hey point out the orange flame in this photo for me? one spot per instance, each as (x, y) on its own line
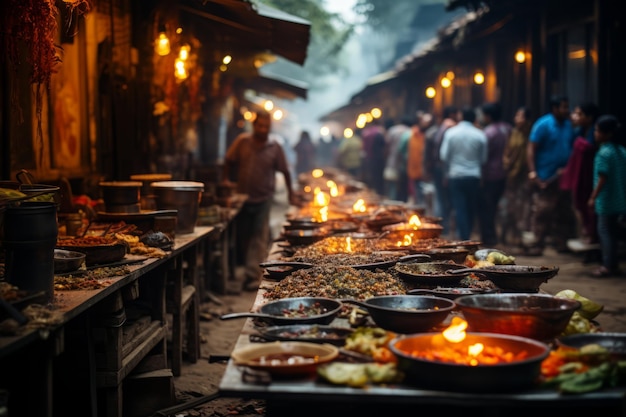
(359, 206)
(321, 199)
(348, 244)
(415, 221)
(455, 333)
(406, 241)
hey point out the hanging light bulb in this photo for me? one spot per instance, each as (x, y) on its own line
(180, 69)
(430, 92)
(162, 44)
(184, 52)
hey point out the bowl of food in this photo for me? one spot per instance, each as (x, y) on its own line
(536, 316)
(67, 261)
(430, 274)
(285, 359)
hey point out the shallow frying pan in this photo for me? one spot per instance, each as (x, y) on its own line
(522, 278)
(313, 333)
(285, 311)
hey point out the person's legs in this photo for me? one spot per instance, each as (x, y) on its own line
(607, 232)
(259, 239)
(462, 207)
(491, 192)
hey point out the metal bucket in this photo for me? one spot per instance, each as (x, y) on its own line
(183, 196)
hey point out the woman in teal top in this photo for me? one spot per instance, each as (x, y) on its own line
(608, 197)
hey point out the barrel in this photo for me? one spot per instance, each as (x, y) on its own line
(30, 234)
(183, 196)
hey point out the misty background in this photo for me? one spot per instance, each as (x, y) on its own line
(370, 50)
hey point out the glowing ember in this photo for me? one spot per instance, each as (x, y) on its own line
(321, 199)
(348, 244)
(334, 191)
(455, 333)
(317, 173)
(359, 206)
(324, 213)
(406, 241)
(450, 349)
(415, 221)
(307, 188)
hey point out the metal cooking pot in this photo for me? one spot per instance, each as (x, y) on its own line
(537, 316)
(406, 313)
(521, 278)
(120, 193)
(274, 311)
(451, 293)
(432, 274)
(505, 376)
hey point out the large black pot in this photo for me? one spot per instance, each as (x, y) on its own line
(275, 311)
(406, 313)
(29, 235)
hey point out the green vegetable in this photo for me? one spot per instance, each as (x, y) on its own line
(577, 324)
(499, 258)
(592, 380)
(589, 309)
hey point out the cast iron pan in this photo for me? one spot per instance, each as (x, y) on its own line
(615, 343)
(313, 333)
(521, 278)
(406, 313)
(278, 312)
(432, 274)
(451, 293)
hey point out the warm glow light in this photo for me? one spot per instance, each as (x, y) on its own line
(431, 92)
(450, 75)
(317, 173)
(307, 188)
(406, 241)
(184, 52)
(223, 68)
(479, 78)
(324, 131)
(247, 115)
(445, 82)
(369, 117)
(578, 54)
(324, 213)
(321, 199)
(414, 221)
(455, 332)
(332, 187)
(361, 120)
(227, 59)
(180, 70)
(348, 244)
(475, 349)
(268, 105)
(376, 112)
(520, 57)
(278, 114)
(162, 45)
(359, 206)
(348, 133)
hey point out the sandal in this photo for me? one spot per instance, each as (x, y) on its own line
(601, 272)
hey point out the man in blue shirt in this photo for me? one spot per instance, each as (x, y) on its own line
(549, 148)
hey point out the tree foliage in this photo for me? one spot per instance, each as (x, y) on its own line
(329, 34)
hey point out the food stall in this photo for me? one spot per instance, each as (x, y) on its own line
(362, 311)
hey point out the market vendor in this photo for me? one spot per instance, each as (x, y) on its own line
(257, 158)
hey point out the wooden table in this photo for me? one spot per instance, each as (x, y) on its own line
(311, 397)
(79, 365)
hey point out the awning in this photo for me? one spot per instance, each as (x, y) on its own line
(279, 86)
(253, 27)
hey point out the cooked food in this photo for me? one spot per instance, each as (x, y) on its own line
(336, 282)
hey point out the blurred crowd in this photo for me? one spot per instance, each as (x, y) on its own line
(556, 179)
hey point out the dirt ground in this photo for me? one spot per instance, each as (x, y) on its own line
(201, 380)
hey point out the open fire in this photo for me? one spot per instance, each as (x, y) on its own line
(449, 347)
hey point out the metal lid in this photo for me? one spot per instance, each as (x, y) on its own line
(179, 185)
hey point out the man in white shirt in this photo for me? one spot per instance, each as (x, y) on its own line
(464, 150)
